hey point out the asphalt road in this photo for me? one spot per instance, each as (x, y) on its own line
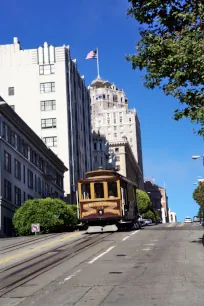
(158, 266)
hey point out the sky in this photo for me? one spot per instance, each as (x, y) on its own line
(84, 25)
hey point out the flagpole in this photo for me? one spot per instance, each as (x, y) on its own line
(98, 65)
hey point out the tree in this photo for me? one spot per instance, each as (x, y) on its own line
(200, 212)
(171, 51)
(149, 215)
(52, 215)
(144, 203)
(198, 194)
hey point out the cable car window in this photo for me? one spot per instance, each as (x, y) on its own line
(98, 189)
(112, 190)
(85, 189)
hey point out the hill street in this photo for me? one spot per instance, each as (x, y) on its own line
(158, 265)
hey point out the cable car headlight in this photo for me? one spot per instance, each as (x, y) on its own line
(100, 212)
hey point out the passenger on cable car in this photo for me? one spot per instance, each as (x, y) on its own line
(110, 194)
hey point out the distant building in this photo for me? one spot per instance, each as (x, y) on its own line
(46, 90)
(111, 118)
(28, 168)
(172, 216)
(125, 162)
(159, 199)
(100, 152)
(164, 205)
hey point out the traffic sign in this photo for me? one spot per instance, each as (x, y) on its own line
(35, 228)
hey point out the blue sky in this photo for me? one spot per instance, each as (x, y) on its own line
(84, 25)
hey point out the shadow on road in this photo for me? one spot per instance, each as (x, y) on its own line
(200, 241)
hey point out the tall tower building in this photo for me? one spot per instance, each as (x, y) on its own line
(112, 118)
(45, 88)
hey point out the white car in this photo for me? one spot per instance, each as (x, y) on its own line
(187, 220)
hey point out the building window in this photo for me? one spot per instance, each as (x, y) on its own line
(30, 197)
(108, 97)
(100, 146)
(130, 119)
(115, 98)
(7, 190)
(95, 146)
(48, 105)
(59, 181)
(50, 141)
(17, 196)
(39, 186)
(36, 183)
(24, 196)
(117, 168)
(101, 161)
(95, 159)
(117, 158)
(47, 87)
(17, 169)
(48, 123)
(24, 174)
(7, 161)
(115, 128)
(115, 134)
(11, 91)
(116, 149)
(30, 179)
(46, 69)
(13, 107)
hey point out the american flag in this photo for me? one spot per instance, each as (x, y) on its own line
(92, 54)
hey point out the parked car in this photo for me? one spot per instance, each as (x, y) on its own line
(187, 220)
(158, 221)
(196, 219)
(145, 221)
(148, 221)
(141, 222)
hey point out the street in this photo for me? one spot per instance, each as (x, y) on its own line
(157, 265)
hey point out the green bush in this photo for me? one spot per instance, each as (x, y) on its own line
(53, 215)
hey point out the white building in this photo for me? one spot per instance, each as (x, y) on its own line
(125, 162)
(46, 90)
(28, 169)
(172, 216)
(112, 118)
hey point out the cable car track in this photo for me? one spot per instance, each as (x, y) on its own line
(19, 274)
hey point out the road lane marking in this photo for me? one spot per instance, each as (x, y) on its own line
(148, 249)
(100, 255)
(4, 260)
(171, 224)
(182, 224)
(69, 277)
(136, 232)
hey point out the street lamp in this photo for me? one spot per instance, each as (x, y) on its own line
(198, 156)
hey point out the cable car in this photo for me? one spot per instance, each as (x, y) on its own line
(107, 201)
